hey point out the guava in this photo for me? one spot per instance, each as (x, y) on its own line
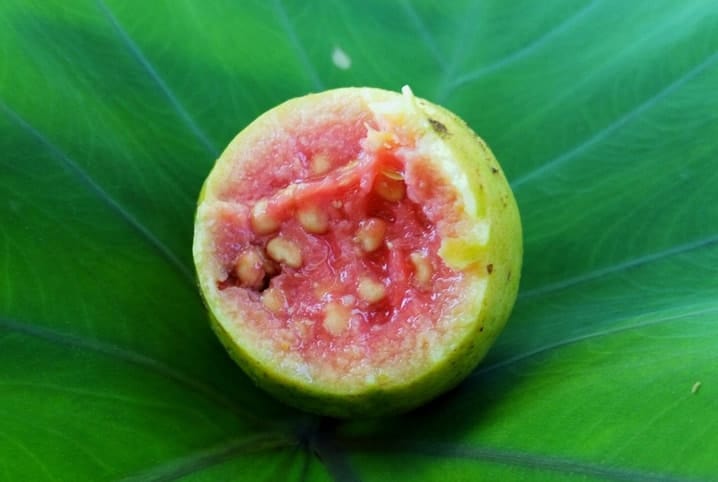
(359, 250)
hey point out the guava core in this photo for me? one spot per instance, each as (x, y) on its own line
(359, 250)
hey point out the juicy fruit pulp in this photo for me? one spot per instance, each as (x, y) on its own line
(349, 244)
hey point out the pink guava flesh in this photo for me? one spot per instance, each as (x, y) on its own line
(328, 235)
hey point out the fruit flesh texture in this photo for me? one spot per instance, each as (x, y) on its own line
(347, 271)
(356, 281)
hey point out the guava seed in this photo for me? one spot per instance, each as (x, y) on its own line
(392, 190)
(249, 270)
(284, 251)
(313, 219)
(422, 268)
(370, 234)
(262, 222)
(320, 164)
(370, 290)
(336, 318)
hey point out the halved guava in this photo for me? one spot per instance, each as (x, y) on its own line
(359, 250)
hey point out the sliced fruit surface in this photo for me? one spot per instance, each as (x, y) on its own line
(359, 250)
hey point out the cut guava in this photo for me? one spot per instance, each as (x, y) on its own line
(359, 250)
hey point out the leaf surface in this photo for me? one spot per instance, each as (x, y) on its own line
(604, 114)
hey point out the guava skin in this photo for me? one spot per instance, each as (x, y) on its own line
(503, 252)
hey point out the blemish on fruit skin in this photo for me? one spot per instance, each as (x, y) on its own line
(489, 268)
(494, 170)
(439, 128)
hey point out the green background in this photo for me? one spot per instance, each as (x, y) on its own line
(604, 115)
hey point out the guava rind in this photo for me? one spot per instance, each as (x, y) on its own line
(503, 252)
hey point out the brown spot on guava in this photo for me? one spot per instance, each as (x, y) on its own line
(438, 127)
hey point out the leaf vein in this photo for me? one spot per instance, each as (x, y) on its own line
(624, 265)
(331, 454)
(157, 78)
(205, 458)
(538, 462)
(299, 49)
(306, 460)
(149, 404)
(577, 339)
(30, 454)
(534, 45)
(602, 134)
(62, 435)
(75, 168)
(128, 356)
(420, 27)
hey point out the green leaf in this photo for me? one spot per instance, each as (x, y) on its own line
(603, 114)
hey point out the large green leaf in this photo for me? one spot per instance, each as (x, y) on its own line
(603, 113)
